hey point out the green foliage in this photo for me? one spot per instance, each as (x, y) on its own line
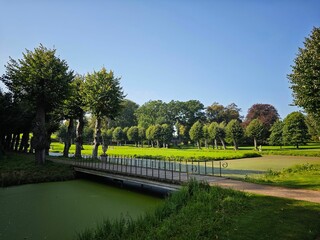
(103, 94)
(152, 113)
(117, 134)
(305, 76)
(40, 77)
(133, 134)
(126, 117)
(275, 138)
(196, 132)
(299, 176)
(234, 131)
(199, 211)
(166, 133)
(295, 130)
(218, 113)
(17, 169)
(255, 130)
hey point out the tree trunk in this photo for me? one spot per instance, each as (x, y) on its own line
(79, 140)
(16, 147)
(97, 137)
(67, 143)
(223, 143)
(215, 143)
(39, 136)
(8, 141)
(206, 143)
(24, 142)
(235, 144)
(12, 143)
(255, 143)
(198, 143)
(48, 143)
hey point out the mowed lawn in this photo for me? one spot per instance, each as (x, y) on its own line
(164, 153)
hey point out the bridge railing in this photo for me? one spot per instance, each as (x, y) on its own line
(174, 170)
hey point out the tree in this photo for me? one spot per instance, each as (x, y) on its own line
(305, 76)
(234, 132)
(149, 134)
(265, 113)
(218, 113)
(125, 135)
(117, 135)
(196, 133)
(295, 129)
(152, 113)
(313, 127)
(103, 97)
(255, 130)
(206, 136)
(42, 79)
(276, 130)
(126, 117)
(142, 134)
(217, 132)
(157, 133)
(166, 134)
(133, 134)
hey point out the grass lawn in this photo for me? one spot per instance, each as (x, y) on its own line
(305, 176)
(164, 153)
(202, 212)
(16, 169)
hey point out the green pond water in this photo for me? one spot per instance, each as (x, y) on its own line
(60, 210)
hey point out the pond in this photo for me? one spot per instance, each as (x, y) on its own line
(60, 210)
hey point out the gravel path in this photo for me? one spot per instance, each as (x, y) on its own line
(297, 194)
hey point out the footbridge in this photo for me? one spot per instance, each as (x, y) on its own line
(163, 174)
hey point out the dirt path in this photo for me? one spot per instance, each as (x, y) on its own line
(297, 194)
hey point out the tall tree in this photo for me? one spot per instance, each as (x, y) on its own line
(305, 76)
(133, 134)
(295, 129)
(117, 135)
(103, 96)
(217, 132)
(234, 132)
(41, 78)
(152, 113)
(126, 117)
(255, 130)
(218, 113)
(196, 133)
(276, 130)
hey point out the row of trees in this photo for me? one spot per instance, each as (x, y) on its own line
(43, 91)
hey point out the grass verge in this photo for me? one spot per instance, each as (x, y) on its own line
(164, 153)
(202, 212)
(306, 176)
(16, 169)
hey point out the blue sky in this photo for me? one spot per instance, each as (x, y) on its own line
(212, 51)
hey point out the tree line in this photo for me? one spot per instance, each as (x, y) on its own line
(43, 91)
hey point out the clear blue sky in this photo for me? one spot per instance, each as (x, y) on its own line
(213, 51)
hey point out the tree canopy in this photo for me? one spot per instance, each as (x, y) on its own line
(42, 79)
(305, 75)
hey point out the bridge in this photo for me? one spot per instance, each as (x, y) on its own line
(166, 175)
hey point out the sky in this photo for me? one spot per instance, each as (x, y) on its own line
(212, 51)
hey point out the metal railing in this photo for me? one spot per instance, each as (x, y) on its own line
(167, 170)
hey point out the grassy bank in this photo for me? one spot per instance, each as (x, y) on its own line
(202, 212)
(16, 169)
(305, 176)
(164, 153)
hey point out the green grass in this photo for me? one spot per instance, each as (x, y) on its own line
(202, 212)
(164, 153)
(305, 176)
(309, 150)
(16, 169)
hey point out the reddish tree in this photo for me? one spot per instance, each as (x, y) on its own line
(266, 113)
